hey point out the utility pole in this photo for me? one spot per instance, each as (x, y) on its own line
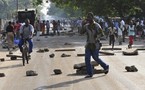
(17, 5)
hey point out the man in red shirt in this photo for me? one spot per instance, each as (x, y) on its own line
(16, 29)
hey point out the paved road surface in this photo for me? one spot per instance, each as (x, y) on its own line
(116, 79)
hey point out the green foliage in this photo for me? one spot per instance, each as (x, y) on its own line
(104, 7)
(37, 2)
(8, 8)
(64, 11)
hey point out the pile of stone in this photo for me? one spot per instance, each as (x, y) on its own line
(81, 68)
(43, 50)
(57, 71)
(132, 51)
(2, 59)
(131, 68)
(31, 73)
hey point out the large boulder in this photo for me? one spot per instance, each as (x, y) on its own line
(2, 75)
(82, 65)
(31, 73)
(131, 68)
(2, 59)
(106, 52)
(131, 51)
(57, 71)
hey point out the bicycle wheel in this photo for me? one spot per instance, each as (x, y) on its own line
(23, 57)
(26, 55)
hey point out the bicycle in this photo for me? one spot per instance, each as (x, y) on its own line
(25, 52)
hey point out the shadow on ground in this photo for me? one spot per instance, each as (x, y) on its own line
(67, 83)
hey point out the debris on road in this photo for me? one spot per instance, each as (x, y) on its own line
(132, 51)
(13, 57)
(131, 68)
(81, 68)
(40, 51)
(111, 49)
(81, 65)
(43, 50)
(31, 73)
(67, 44)
(57, 71)
(2, 59)
(65, 55)
(52, 55)
(106, 53)
(65, 50)
(2, 75)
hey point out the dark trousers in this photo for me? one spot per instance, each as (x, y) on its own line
(21, 42)
(95, 55)
(111, 40)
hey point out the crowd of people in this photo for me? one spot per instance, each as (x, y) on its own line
(117, 29)
(15, 31)
(12, 31)
(44, 26)
(112, 29)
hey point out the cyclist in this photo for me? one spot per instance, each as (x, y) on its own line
(26, 32)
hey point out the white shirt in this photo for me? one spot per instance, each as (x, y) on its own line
(119, 31)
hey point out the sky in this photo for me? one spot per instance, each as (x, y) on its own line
(44, 10)
(45, 6)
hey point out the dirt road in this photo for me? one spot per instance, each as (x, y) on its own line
(116, 79)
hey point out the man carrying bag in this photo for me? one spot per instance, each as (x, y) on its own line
(93, 31)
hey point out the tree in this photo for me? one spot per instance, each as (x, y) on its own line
(63, 11)
(37, 2)
(9, 7)
(104, 7)
(141, 4)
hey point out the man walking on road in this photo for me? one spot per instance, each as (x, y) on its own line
(10, 36)
(93, 31)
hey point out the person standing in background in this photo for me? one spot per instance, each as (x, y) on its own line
(47, 27)
(43, 27)
(119, 31)
(37, 29)
(112, 30)
(54, 28)
(10, 36)
(131, 33)
(16, 29)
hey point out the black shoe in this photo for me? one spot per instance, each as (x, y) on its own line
(88, 76)
(106, 70)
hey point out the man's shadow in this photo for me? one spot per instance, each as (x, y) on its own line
(67, 83)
